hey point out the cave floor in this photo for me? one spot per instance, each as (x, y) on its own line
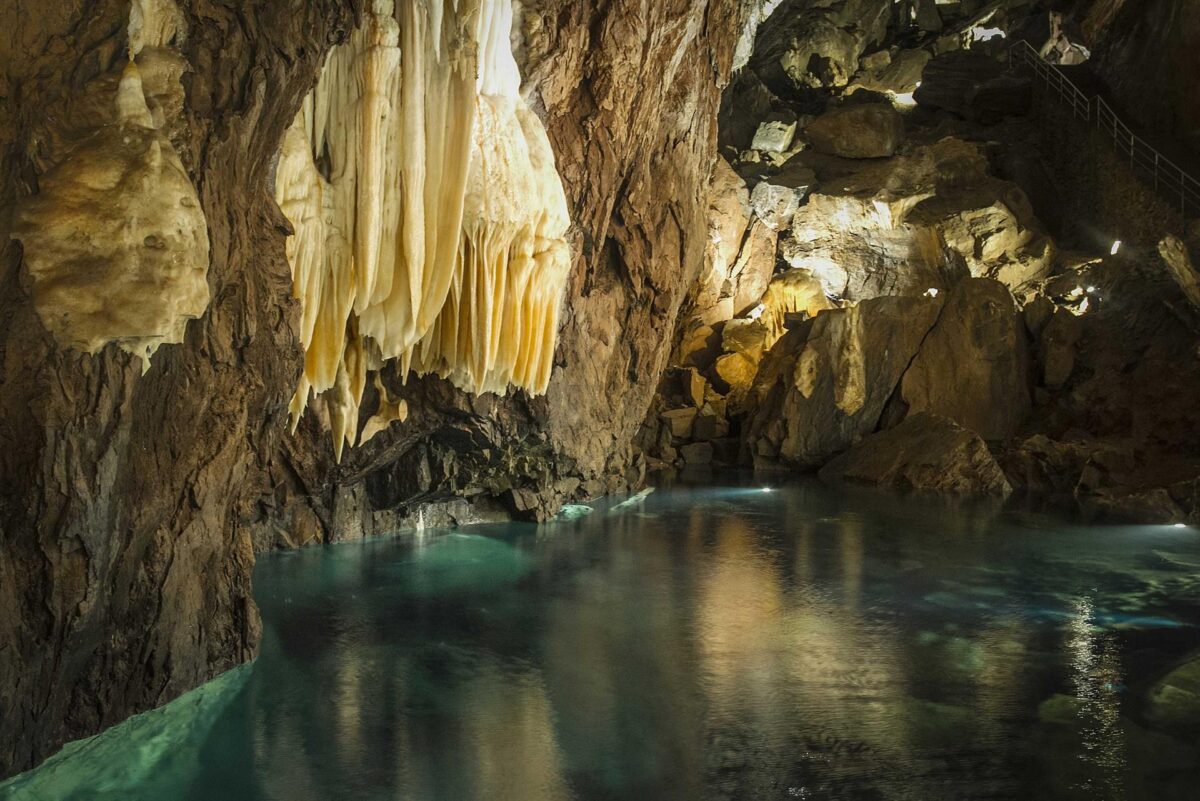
(706, 641)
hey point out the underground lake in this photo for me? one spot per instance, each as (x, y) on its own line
(738, 641)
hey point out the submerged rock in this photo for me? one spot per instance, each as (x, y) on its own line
(925, 453)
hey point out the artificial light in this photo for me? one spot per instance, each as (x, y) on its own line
(1116, 247)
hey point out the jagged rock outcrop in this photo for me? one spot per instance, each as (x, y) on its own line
(974, 366)
(807, 44)
(857, 131)
(824, 386)
(130, 505)
(925, 453)
(923, 219)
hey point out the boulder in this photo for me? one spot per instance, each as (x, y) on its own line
(680, 421)
(774, 204)
(1058, 342)
(928, 18)
(1178, 258)
(857, 131)
(825, 385)
(709, 425)
(808, 45)
(775, 136)
(699, 346)
(899, 75)
(913, 222)
(926, 453)
(1037, 314)
(697, 453)
(974, 366)
(950, 79)
(1174, 701)
(751, 273)
(744, 105)
(737, 370)
(999, 98)
(694, 387)
(791, 293)
(745, 336)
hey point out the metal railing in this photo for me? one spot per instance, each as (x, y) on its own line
(1169, 180)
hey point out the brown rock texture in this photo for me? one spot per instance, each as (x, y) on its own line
(974, 367)
(824, 386)
(925, 453)
(130, 505)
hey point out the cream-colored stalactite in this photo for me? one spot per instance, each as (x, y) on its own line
(428, 214)
(115, 241)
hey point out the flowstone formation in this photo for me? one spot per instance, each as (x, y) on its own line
(115, 241)
(429, 218)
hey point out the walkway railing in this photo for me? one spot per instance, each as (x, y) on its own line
(1169, 180)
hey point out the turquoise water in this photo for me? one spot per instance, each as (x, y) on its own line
(699, 643)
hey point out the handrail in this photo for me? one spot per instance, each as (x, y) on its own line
(1170, 180)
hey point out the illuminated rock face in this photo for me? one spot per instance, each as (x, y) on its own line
(429, 219)
(115, 242)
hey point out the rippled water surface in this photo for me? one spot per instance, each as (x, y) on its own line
(702, 643)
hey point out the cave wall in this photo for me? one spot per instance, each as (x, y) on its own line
(130, 504)
(1146, 52)
(628, 92)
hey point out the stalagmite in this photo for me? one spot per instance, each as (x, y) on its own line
(428, 217)
(115, 241)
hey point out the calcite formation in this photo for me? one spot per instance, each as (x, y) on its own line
(115, 242)
(429, 218)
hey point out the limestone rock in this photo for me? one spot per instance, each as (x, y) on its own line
(737, 370)
(1037, 314)
(775, 204)
(774, 136)
(809, 45)
(1058, 343)
(697, 454)
(913, 222)
(1001, 97)
(858, 131)
(1179, 263)
(925, 453)
(823, 387)
(680, 421)
(928, 18)
(751, 273)
(900, 74)
(1174, 702)
(694, 387)
(974, 366)
(709, 425)
(794, 292)
(950, 79)
(745, 336)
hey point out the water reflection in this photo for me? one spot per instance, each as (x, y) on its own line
(710, 644)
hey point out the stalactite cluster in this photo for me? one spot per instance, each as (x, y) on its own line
(115, 242)
(428, 215)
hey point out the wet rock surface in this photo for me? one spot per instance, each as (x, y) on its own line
(925, 453)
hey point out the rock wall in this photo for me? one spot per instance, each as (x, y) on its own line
(1146, 52)
(130, 505)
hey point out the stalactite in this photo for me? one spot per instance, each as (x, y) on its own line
(428, 217)
(115, 241)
